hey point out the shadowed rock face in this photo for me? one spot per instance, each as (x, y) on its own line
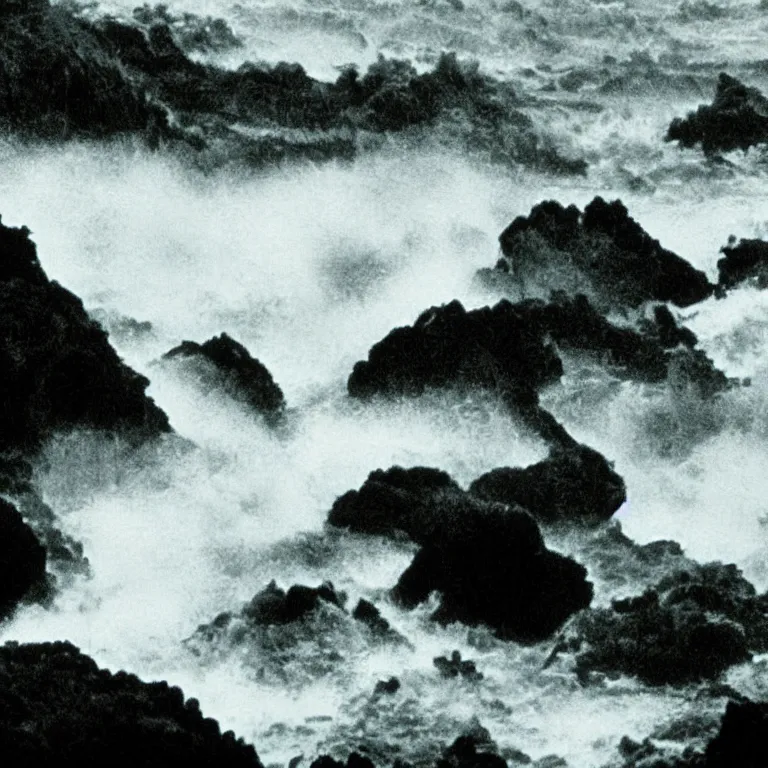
(488, 561)
(59, 708)
(602, 253)
(736, 119)
(22, 561)
(693, 625)
(223, 362)
(743, 262)
(573, 484)
(743, 737)
(59, 371)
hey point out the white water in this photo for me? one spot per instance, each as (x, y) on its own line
(308, 267)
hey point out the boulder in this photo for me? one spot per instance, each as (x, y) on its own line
(737, 118)
(743, 737)
(602, 253)
(60, 372)
(692, 626)
(487, 560)
(275, 606)
(223, 363)
(573, 484)
(744, 262)
(57, 707)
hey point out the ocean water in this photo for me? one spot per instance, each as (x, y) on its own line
(308, 266)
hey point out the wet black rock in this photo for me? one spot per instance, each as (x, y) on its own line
(573, 484)
(59, 371)
(488, 561)
(388, 687)
(602, 253)
(449, 346)
(455, 667)
(746, 261)
(737, 118)
(59, 708)
(692, 626)
(22, 561)
(60, 78)
(380, 629)
(275, 606)
(466, 752)
(743, 737)
(223, 363)
(355, 760)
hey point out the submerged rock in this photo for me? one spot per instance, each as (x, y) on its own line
(59, 708)
(59, 371)
(573, 484)
(488, 561)
(744, 262)
(736, 119)
(602, 253)
(692, 626)
(222, 362)
(457, 667)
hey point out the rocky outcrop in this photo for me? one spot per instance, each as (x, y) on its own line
(60, 372)
(224, 364)
(58, 707)
(737, 118)
(692, 626)
(488, 561)
(742, 739)
(745, 261)
(601, 252)
(573, 484)
(66, 76)
(22, 561)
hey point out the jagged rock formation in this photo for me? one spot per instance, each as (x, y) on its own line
(737, 118)
(488, 561)
(59, 708)
(223, 363)
(602, 253)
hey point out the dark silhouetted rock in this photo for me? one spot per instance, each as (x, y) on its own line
(22, 561)
(355, 760)
(388, 687)
(736, 119)
(59, 708)
(369, 615)
(275, 606)
(573, 484)
(693, 625)
(490, 347)
(59, 371)
(743, 262)
(602, 253)
(223, 362)
(743, 737)
(456, 667)
(473, 749)
(487, 560)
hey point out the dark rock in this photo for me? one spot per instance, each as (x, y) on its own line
(743, 737)
(464, 753)
(487, 560)
(572, 484)
(691, 626)
(60, 78)
(602, 252)
(747, 261)
(222, 362)
(22, 561)
(388, 687)
(275, 606)
(59, 371)
(490, 347)
(355, 760)
(369, 615)
(456, 667)
(736, 119)
(58, 707)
